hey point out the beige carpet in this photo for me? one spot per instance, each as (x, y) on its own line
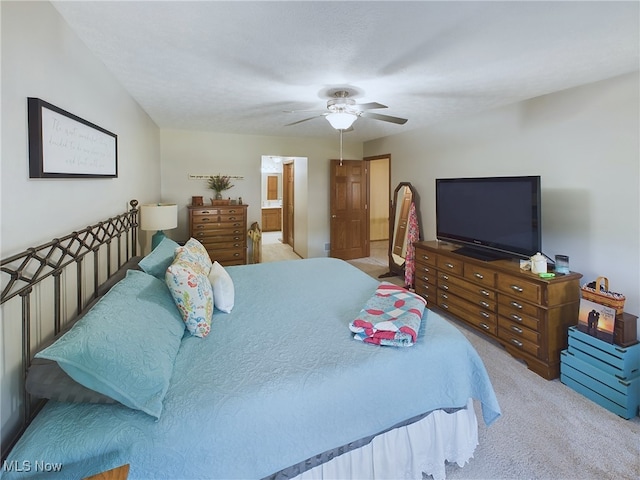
(547, 431)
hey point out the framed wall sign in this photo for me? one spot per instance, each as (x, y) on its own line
(63, 145)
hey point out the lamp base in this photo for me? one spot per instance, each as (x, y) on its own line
(157, 238)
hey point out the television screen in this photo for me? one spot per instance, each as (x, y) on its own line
(493, 217)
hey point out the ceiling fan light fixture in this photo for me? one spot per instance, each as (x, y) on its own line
(341, 120)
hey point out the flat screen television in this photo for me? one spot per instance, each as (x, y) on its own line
(490, 217)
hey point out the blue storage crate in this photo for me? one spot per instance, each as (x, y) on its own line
(606, 374)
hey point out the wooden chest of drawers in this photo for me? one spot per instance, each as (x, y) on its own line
(222, 229)
(527, 314)
(607, 374)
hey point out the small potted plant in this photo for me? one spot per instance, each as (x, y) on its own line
(220, 183)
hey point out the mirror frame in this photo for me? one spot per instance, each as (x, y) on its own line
(394, 267)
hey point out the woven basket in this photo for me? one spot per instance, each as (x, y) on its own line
(601, 294)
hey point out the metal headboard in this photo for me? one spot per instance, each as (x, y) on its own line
(22, 272)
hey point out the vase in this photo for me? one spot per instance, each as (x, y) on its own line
(218, 195)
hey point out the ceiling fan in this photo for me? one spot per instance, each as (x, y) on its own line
(343, 111)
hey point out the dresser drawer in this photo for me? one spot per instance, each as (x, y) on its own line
(205, 212)
(223, 243)
(426, 291)
(516, 340)
(219, 220)
(218, 235)
(480, 275)
(450, 265)
(471, 289)
(426, 257)
(425, 273)
(522, 314)
(519, 288)
(224, 256)
(519, 330)
(477, 316)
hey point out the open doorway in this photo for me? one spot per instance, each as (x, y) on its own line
(283, 203)
(271, 169)
(379, 207)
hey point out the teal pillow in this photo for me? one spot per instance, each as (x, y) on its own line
(125, 346)
(157, 262)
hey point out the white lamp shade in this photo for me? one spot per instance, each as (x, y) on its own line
(159, 216)
(341, 120)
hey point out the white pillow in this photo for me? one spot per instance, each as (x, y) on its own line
(223, 291)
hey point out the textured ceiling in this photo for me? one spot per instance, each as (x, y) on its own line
(238, 66)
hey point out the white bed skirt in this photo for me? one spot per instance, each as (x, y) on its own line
(406, 452)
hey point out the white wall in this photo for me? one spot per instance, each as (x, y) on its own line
(42, 58)
(584, 142)
(207, 153)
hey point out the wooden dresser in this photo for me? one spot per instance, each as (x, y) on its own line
(222, 229)
(526, 314)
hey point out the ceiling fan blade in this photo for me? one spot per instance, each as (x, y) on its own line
(298, 111)
(370, 105)
(303, 120)
(384, 118)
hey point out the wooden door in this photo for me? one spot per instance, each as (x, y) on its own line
(287, 204)
(348, 209)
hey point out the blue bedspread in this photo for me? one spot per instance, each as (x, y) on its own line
(277, 380)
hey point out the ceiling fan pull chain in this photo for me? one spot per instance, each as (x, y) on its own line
(340, 147)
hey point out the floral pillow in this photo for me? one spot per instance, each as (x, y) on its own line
(193, 252)
(193, 295)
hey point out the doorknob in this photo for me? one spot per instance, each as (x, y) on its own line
(334, 216)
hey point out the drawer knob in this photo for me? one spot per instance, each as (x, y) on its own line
(205, 212)
(445, 296)
(516, 329)
(517, 343)
(484, 314)
(445, 306)
(449, 265)
(478, 275)
(485, 293)
(445, 287)
(516, 288)
(484, 304)
(444, 277)
(485, 326)
(516, 305)
(236, 254)
(206, 219)
(516, 318)
(232, 218)
(232, 211)
(425, 278)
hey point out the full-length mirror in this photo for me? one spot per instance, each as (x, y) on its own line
(403, 227)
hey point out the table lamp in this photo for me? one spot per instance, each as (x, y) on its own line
(159, 217)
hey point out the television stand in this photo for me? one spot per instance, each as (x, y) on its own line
(484, 255)
(527, 314)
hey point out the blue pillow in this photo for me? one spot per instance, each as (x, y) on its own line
(157, 262)
(125, 346)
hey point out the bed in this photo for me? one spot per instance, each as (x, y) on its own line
(278, 387)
